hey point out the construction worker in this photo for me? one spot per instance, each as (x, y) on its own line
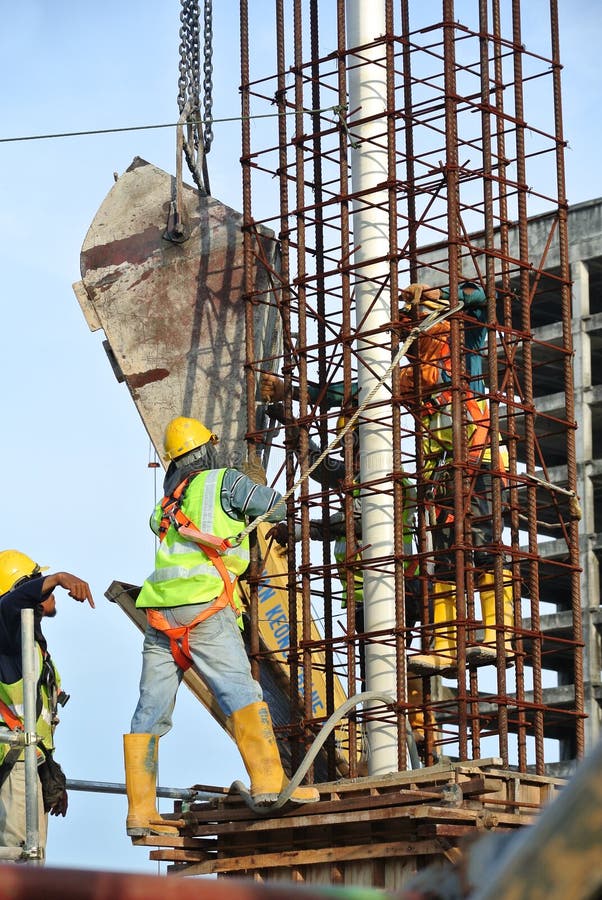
(24, 586)
(432, 351)
(331, 473)
(192, 609)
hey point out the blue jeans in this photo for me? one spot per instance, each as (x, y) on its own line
(219, 654)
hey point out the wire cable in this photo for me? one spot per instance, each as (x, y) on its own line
(67, 134)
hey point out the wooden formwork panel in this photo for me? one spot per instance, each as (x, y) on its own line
(375, 831)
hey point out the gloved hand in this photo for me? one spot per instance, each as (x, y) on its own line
(271, 388)
(253, 469)
(291, 440)
(279, 533)
(60, 807)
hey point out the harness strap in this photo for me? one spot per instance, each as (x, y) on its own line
(12, 755)
(13, 721)
(212, 546)
(179, 636)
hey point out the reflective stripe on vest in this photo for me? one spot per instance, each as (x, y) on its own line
(11, 696)
(184, 573)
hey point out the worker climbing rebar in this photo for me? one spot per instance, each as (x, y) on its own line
(432, 359)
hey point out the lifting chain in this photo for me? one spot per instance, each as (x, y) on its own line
(208, 76)
(197, 142)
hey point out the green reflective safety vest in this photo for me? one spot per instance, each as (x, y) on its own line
(184, 574)
(49, 685)
(340, 545)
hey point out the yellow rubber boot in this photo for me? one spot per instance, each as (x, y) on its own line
(254, 735)
(443, 658)
(486, 653)
(141, 759)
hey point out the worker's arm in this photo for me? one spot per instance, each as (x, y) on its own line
(271, 390)
(75, 587)
(243, 498)
(33, 591)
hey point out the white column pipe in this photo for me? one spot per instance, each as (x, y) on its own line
(367, 97)
(30, 679)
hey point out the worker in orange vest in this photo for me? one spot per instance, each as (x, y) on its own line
(432, 392)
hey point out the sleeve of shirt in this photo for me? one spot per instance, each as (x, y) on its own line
(331, 470)
(334, 394)
(242, 497)
(26, 596)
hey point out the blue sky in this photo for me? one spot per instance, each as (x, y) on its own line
(77, 488)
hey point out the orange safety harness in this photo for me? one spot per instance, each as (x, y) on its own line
(15, 724)
(212, 546)
(13, 721)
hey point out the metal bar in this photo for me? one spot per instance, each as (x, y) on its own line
(567, 341)
(116, 787)
(32, 850)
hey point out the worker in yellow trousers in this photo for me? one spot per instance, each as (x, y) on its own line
(433, 353)
(192, 611)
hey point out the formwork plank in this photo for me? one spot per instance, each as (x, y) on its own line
(353, 823)
(312, 857)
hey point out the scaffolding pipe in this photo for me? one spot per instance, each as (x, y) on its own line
(187, 795)
(31, 851)
(366, 23)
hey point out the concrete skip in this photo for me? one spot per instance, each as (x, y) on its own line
(173, 314)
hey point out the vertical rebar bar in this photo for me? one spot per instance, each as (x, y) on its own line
(530, 436)
(567, 343)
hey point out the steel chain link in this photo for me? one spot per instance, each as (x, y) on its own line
(208, 76)
(197, 144)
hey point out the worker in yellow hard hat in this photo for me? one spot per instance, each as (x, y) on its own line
(192, 608)
(433, 353)
(23, 585)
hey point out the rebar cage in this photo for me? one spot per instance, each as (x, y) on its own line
(470, 189)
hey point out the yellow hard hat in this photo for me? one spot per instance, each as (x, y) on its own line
(345, 414)
(14, 566)
(183, 434)
(425, 296)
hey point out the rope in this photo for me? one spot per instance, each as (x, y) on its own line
(432, 319)
(327, 728)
